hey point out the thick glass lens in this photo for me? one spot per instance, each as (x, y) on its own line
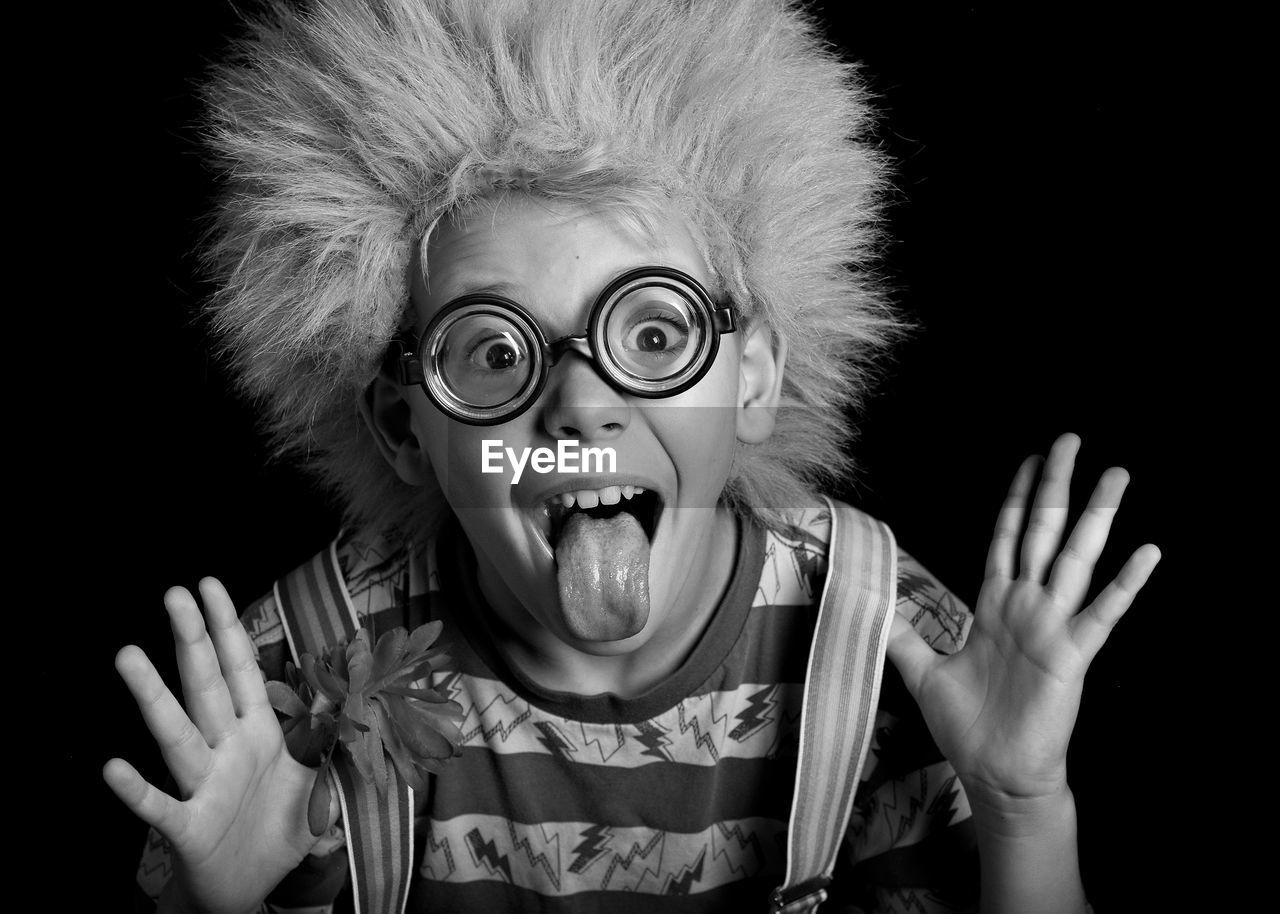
(653, 332)
(481, 359)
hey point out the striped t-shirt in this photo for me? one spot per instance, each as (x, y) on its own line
(673, 801)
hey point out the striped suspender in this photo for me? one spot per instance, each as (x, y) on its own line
(842, 689)
(317, 613)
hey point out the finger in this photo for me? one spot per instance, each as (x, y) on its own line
(1093, 624)
(203, 688)
(1073, 568)
(1048, 516)
(235, 654)
(1004, 541)
(155, 807)
(184, 750)
(910, 653)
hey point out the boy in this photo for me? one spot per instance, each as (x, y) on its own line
(467, 189)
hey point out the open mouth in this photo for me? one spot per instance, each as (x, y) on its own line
(643, 504)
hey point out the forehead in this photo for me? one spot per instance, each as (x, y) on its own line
(551, 256)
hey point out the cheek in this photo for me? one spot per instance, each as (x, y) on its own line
(456, 453)
(709, 410)
(700, 440)
(471, 463)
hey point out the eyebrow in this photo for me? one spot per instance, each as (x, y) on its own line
(501, 287)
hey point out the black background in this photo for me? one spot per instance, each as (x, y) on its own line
(1043, 239)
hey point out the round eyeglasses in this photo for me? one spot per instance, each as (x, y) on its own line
(483, 359)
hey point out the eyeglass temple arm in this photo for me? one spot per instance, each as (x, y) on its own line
(402, 361)
(722, 320)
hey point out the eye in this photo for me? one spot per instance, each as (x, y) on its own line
(497, 352)
(656, 332)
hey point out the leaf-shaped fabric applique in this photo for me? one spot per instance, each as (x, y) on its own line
(387, 653)
(352, 726)
(359, 662)
(420, 668)
(321, 680)
(421, 694)
(417, 731)
(444, 717)
(349, 729)
(338, 661)
(286, 700)
(424, 636)
(377, 758)
(400, 755)
(306, 734)
(433, 766)
(297, 738)
(331, 684)
(318, 803)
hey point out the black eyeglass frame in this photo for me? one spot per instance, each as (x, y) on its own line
(406, 353)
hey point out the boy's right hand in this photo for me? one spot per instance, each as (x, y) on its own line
(243, 825)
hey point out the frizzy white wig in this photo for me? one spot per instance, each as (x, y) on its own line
(345, 130)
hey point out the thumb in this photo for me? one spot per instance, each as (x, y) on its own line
(910, 653)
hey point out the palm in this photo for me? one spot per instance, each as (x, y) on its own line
(242, 825)
(232, 819)
(1002, 708)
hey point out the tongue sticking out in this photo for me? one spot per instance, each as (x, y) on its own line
(603, 573)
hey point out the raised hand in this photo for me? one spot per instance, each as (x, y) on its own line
(1002, 708)
(243, 823)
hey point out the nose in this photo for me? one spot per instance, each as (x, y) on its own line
(580, 404)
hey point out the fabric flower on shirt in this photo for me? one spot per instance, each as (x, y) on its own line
(373, 704)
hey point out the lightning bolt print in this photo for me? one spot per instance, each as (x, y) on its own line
(156, 866)
(947, 619)
(655, 740)
(755, 715)
(700, 739)
(593, 846)
(486, 853)
(807, 565)
(732, 841)
(262, 622)
(450, 685)
(605, 754)
(555, 741)
(915, 588)
(679, 884)
(540, 860)
(637, 852)
(503, 729)
(437, 851)
(945, 805)
(900, 812)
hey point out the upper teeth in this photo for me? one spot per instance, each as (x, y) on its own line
(589, 498)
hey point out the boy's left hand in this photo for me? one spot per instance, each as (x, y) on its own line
(1003, 707)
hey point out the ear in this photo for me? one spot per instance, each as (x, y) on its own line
(384, 406)
(760, 383)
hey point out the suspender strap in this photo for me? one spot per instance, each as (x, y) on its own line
(316, 611)
(842, 690)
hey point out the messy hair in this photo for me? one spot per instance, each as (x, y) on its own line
(345, 130)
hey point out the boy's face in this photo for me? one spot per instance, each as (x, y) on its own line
(598, 583)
